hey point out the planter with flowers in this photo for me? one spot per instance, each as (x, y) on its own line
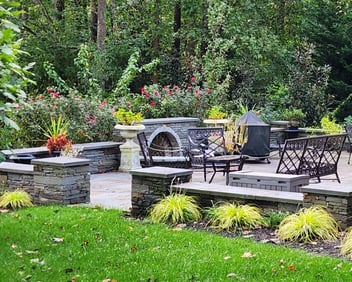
(216, 117)
(129, 124)
(56, 133)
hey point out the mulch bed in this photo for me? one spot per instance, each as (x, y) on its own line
(269, 236)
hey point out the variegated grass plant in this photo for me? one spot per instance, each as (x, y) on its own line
(231, 216)
(346, 247)
(175, 208)
(308, 224)
(15, 199)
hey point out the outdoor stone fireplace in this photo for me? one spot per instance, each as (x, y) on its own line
(166, 132)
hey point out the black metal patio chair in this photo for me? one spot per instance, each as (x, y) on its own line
(207, 150)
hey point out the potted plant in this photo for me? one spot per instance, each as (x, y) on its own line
(216, 115)
(294, 116)
(129, 124)
(56, 132)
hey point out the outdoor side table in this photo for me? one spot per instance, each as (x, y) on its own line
(223, 164)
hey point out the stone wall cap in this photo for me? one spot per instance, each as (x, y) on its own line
(16, 167)
(161, 172)
(61, 161)
(269, 175)
(97, 145)
(170, 120)
(332, 189)
(34, 150)
(241, 192)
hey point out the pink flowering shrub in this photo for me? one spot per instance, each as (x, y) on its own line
(157, 101)
(90, 120)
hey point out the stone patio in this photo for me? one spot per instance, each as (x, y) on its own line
(113, 190)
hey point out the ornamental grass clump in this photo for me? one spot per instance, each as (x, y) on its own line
(15, 200)
(175, 208)
(346, 247)
(307, 225)
(230, 216)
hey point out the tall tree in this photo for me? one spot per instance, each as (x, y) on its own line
(101, 33)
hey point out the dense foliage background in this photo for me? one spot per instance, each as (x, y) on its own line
(267, 55)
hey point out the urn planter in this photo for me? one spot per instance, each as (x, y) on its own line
(129, 150)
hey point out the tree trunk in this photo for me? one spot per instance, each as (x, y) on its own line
(60, 7)
(94, 24)
(176, 53)
(101, 34)
(156, 37)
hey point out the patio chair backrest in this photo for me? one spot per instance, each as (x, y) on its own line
(143, 143)
(206, 141)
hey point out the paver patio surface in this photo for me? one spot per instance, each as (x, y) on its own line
(113, 190)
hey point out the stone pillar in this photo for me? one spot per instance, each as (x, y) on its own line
(337, 198)
(153, 183)
(61, 180)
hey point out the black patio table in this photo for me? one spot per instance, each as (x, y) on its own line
(223, 164)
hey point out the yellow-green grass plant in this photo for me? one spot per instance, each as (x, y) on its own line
(308, 224)
(15, 199)
(175, 208)
(346, 247)
(231, 216)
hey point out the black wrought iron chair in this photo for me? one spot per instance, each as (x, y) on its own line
(169, 159)
(207, 150)
(348, 129)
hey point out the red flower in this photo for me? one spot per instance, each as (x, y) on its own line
(193, 79)
(152, 104)
(156, 93)
(55, 94)
(142, 90)
(189, 87)
(147, 95)
(50, 90)
(207, 90)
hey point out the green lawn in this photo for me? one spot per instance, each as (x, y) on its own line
(92, 244)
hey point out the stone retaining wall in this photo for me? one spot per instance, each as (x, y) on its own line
(103, 156)
(151, 184)
(336, 198)
(58, 180)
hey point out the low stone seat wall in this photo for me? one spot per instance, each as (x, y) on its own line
(152, 184)
(103, 156)
(57, 180)
(209, 194)
(268, 181)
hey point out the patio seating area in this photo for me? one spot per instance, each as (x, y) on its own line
(113, 190)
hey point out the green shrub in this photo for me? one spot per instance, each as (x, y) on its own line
(274, 218)
(307, 225)
(15, 199)
(228, 216)
(156, 101)
(175, 208)
(346, 248)
(90, 120)
(330, 126)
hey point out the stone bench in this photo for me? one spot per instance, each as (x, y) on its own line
(209, 194)
(268, 181)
